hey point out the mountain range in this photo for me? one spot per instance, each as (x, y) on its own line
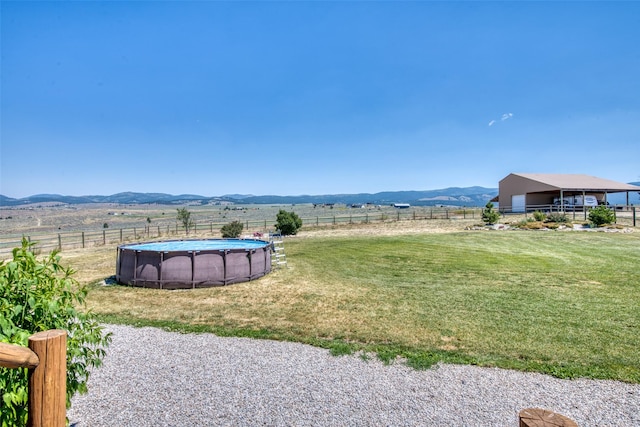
(453, 196)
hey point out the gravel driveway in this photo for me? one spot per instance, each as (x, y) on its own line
(151, 377)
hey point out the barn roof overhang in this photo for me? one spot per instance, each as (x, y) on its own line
(575, 183)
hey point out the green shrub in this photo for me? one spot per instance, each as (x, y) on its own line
(232, 230)
(489, 216)
(601, 215)
(539, 216)
(38, 295)
(288, 223)
(557, 217)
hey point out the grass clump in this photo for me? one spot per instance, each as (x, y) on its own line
(539, 216)
(557, 217)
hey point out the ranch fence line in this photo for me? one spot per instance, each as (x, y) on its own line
(624, 214)
(46, 359)
(48, 241)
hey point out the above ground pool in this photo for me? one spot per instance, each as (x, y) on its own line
(184, 264)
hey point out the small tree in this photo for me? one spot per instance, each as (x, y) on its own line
(288, 223)
(232, 230)
(184, 217)
(601, 215)
(489, 216)
(38, 295)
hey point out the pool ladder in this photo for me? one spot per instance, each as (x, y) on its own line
(279, 258)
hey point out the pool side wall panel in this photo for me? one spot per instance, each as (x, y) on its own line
(191, 269)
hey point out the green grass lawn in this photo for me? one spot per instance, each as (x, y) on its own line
(563, 303)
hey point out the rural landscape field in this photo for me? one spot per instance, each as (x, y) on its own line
(422, 290)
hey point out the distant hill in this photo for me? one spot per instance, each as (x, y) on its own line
(453, 196)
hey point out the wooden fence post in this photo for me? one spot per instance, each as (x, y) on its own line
(48, 381)
(83, 240)
(59, 242)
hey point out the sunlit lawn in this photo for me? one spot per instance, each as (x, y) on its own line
(564, 303)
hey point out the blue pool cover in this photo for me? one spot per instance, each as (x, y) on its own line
(197, 245)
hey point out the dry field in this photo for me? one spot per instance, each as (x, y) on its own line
(97, 263)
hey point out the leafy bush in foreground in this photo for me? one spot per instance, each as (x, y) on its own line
(38, 295)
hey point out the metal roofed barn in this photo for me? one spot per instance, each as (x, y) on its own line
(521, 192)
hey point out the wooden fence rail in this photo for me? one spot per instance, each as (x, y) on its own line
(46, 359)
(48, 241)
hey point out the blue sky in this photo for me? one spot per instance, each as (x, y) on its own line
(293, 98)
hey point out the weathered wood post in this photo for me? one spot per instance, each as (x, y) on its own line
(59, 242)
(48, 381)
(633, 209)
(46, 359)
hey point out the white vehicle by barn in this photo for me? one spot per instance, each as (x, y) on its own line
(588, 201)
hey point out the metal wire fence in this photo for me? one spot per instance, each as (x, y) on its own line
(47, 241)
